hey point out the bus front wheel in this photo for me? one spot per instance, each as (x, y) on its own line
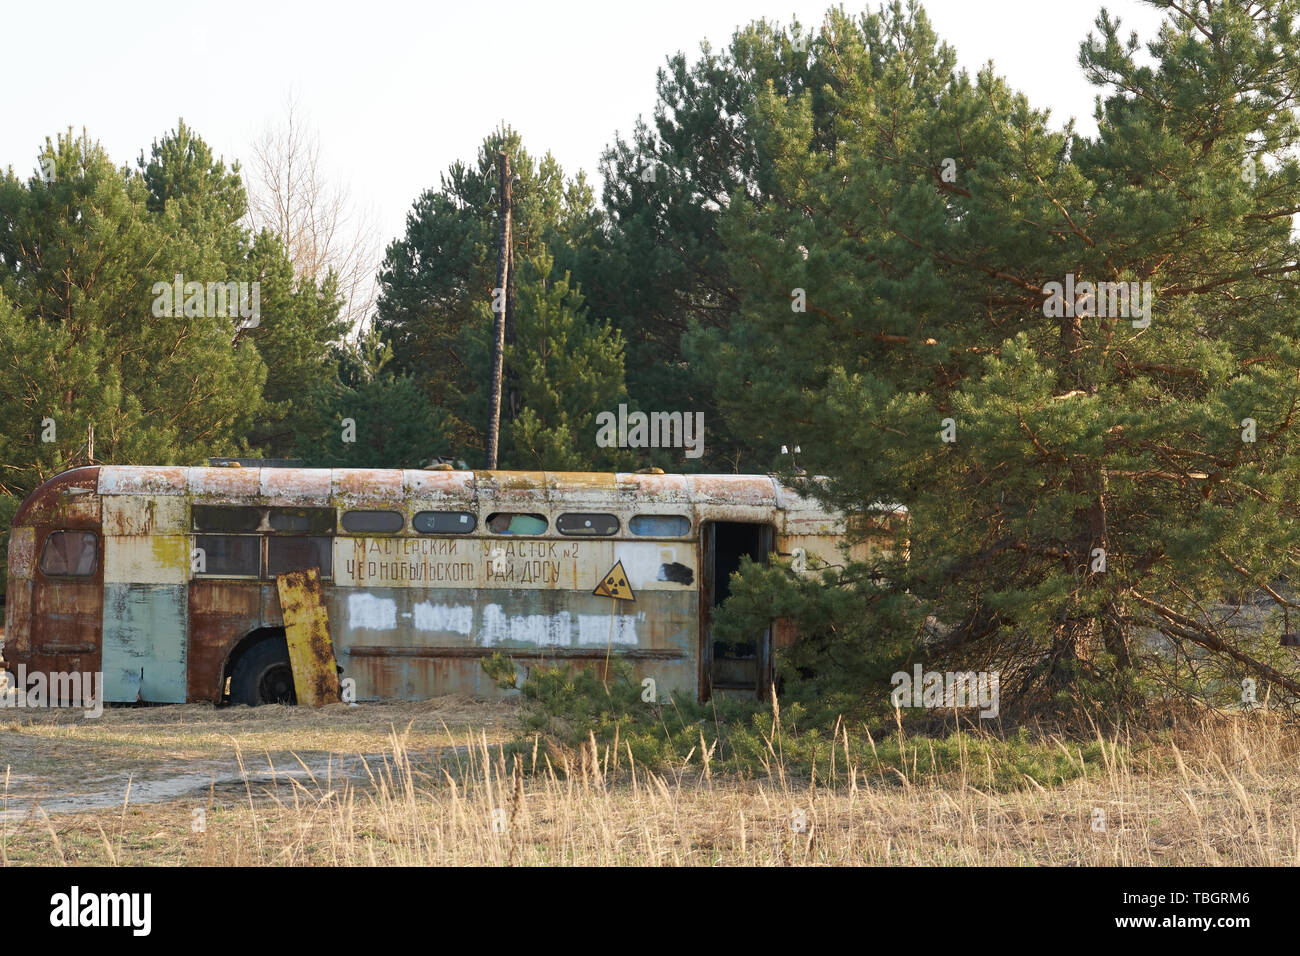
(263, 675)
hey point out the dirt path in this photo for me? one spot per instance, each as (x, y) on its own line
(57, 762)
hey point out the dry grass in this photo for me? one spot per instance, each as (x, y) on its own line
(62, 761)
(1221, 792)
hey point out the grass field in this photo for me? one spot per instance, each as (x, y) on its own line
(429, 783)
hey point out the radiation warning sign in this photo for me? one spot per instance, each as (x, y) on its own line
(614, 584)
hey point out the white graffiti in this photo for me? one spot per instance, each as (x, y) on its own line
(543, 630)
(368, 612)
(440, 617)
(372, 613)
(598, 629)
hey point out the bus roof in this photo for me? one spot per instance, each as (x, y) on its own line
(372, 487)
(306, 486)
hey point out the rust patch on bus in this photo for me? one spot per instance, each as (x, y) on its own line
(306, 627)
(222, 613)
(296, 486)
(68, 497)
(54, 621)
(367, 485)
(227, 485)
(429, 486)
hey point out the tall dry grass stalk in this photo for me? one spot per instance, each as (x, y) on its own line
(1219, 792)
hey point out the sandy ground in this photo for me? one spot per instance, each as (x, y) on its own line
(59, 761)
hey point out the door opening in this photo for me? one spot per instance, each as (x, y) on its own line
(743, 666)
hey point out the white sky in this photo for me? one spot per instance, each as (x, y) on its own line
(399, 90)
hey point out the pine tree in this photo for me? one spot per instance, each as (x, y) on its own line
(1076, 478)
(299, 321)
(569, 368)
(83, 253)
(663, 271)
(438, 278)
(91, 333)
(299, 338)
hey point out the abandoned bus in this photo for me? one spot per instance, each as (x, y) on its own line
(163, 579)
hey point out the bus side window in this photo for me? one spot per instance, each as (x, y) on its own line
(226, 519)
(587, 523)
(375, 522)
(297, 553)
(660, 526)
(229, 555)
(444, 522)
(507, 522)
(303, 520)
(73, 553)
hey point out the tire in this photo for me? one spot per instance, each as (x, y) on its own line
(263, 675)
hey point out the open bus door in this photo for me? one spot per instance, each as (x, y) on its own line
(744, 667)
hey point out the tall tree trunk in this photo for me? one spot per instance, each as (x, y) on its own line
(1076, 630)
(499, 313)
(513, 402)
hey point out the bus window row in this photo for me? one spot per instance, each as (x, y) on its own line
(225, 519)
(240, 556)
(229, 539)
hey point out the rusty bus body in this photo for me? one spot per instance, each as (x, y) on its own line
(163, 578)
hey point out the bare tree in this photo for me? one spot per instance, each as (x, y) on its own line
(322, 228)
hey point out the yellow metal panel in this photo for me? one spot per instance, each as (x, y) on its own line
(146, 559)
(306, 625)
